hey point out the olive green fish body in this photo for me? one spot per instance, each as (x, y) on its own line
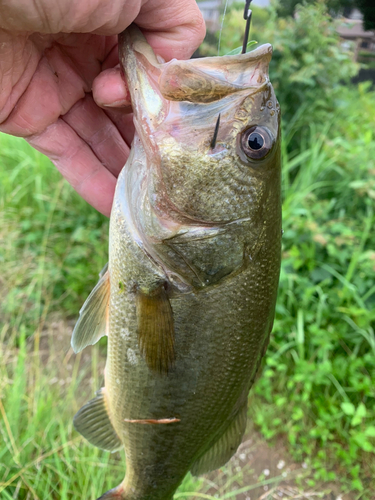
(193, 270)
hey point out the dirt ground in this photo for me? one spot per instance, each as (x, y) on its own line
(268, 473)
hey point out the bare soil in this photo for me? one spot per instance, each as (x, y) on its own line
(269, 473)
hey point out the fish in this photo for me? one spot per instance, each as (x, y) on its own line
(188, 297)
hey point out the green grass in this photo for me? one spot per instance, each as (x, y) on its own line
(41, 455)
(49, 257)
(317, 386)
(46, 225)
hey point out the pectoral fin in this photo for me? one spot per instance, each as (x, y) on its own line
(103, 271)
(92, 321)
(156, 329)
(92, 421)
(225, 447)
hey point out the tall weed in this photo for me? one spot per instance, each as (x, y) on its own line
(47, 226)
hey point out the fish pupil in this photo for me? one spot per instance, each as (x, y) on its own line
(255, 141)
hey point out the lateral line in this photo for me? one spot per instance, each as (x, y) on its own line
(151, 421)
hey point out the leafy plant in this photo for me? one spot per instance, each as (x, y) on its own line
(308, 65)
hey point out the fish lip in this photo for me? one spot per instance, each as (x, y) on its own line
(264, 50)
(209, 79)
(262, 53)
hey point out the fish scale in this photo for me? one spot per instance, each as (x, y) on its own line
(189, 296)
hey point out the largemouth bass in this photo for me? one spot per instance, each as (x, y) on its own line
(188, 298)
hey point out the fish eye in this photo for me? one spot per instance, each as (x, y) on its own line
(256, 142)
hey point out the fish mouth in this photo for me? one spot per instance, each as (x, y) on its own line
(200, 80)
(166, 97)
(210, 79)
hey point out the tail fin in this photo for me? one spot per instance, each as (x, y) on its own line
(119, 493)
(114, 494)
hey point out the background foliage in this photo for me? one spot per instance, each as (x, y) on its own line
(317, 386)
(308, 68)
(366, 7)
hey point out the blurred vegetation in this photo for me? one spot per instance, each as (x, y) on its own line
(46, 224)
(337, 7)
(317, 386)
(288, 7)
(309, 65)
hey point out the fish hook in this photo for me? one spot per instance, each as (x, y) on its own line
(247, 16)
(213, 142)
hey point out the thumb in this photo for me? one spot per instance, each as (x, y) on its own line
(173, 29)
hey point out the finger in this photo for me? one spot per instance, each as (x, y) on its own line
(96, 129)
(110, 90)
(123, 121)
(78, 164)
(173, 29)
(179, 22)
(53, 89)
(46, 16)
(112, 58)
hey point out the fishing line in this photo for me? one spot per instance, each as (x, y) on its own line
(221, 27)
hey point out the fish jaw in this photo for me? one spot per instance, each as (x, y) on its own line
(188, 186)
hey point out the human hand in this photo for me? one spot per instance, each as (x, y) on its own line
(61, 89)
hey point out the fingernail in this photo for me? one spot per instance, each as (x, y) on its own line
(122, 103)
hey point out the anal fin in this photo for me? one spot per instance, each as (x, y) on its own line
(92, 421)
(156, 329)
(224, 447)
(92, 321)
